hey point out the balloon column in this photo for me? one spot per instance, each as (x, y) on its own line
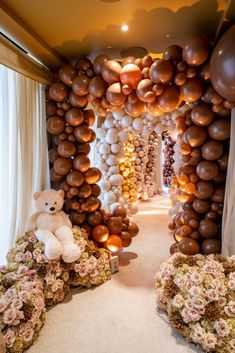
(168, 160)
(140, 89)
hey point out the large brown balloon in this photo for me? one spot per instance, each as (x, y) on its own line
(119, 211)
(62, 166)
(195, 136)
(80, 85)
(196, 51)
(97, 87)
(81, 162)
(53, 155)
(211, 246)
(55, 177)
(66, 149)
(74, 178)
(174, 248)
(134, 109)
(153, 108)
(115, 225)
(100, 233)
(222, 65)
(189, 246)
(83, 148)
(169, 99)
(130, 75)
(99, 62)
(89, 117)
(207, 228)
(92, 175)
(84, 191)
(161, 71)
(133, 229)
(207, 170)
(202, 115)
(58, 91)
(212, 150)
(220, 129)
(83, 64)
(96, 190)
(110, 71)
(173, 53)
(91, 204)
(126, 239)
(55, 125)
(201, 206)
(77, 218)
(51, 108)
(114, 94)
(191, 91)
(204, 189)
(144, 91)
(218, 194)
(113, 243)
(67, 73)
(95, 218)
(77, 101)
(74, 116)
(82, 133)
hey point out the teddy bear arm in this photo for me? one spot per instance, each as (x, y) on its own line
(66, 219)
(32, 221)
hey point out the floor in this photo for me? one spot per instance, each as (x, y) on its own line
(119, 316)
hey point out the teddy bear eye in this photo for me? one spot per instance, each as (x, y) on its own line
(46, 203)
(55, 203)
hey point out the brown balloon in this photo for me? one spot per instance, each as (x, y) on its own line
(66, 149)
(195, 136)
(82, 133)
(83, 64)
(202, 115)
(130, 75)
(97, 87)
(51, 108)
(77, 101)
(80, 85)
(207, 228)
(55, 125)
(218, 194)
(74, 178)
(161, 71)
(77, 218)
(173, 53)
(211, 246)
(96, 190)
(196, 51)
(53, 155)
(207, 170)
(219, 130)
(126, 239)
(55, 177)
(100, 233)
(133, 229)
(113, 243)
(81, 162)
(144, 91)
(174, 248)
(204, 189)
(153, 108)
(180, 78)
(99, 62)
(114, 94)
(62, 166)
(201, 206)
(134, 109)
(128, 60)
(83, 148)
(169, 99)
(115, 225)
(110, 71)
(223, 162)
(119, 211)
(91, 204)
(74, 116)
(212, 150)
(189, 246)
(222, 65)
(191, 91)
(92, 175)
(58, 91)
(89, 117)
(94, 218)
(66, 74)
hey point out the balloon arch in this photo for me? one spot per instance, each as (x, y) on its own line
(135, 100)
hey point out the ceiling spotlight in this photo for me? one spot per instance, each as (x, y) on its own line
(124, 28)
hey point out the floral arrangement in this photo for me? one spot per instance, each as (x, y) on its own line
(30, 282)
(198, 294)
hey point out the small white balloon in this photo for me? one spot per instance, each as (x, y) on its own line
(115, 148)
(116, 179)
(111, 160)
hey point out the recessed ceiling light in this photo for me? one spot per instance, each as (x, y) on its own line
(124, 28)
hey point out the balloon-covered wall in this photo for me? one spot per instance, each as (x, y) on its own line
(134, 95)
(168, 160)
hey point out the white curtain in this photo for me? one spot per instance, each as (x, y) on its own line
(228, 228)
(23, 152)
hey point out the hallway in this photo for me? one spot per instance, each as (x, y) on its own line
(120, 315)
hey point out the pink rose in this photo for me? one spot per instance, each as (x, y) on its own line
(221, 328)
(9, 316)
(195, 291)
(232, 276)
(16, 304)
(196, 278)
(24, 295)
(3, 304)
(28, 335)
(222, 301)
(37, 252)
(32, 239)
(212, 295)
(10, 338)
(178, 301)
(231, 284)
(198, 333)
(22, 270)
(11, 293)
(19, 257)
(209, 341)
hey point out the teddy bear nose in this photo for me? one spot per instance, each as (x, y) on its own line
(52, 209)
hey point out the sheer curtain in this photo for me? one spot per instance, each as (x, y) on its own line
(23, 152)
(228, 228)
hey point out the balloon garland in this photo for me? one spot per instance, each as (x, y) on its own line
(144, 90)
(168, 157)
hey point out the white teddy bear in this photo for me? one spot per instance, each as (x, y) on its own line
(53, 227)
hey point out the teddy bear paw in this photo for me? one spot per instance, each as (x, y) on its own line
(71, 253)
(53, 250)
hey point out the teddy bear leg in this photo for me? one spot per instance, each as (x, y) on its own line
(53, 248)
(71, 252)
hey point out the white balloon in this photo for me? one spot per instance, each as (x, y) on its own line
(115, 148)
(114, 169)
(109, 197)
(109, 123)
(100, 133)
(118, 115)
(114, 206)
(126, 121)
(116, 179)
(111, 160)
(112, 136)
(104, 185)
(138, 124)
(123, 136)
(104, 148)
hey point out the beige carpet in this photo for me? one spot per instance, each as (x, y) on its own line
(119, 316)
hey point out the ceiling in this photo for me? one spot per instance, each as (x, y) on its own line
(73, 27)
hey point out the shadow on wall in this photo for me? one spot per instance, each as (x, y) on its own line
(153, 30)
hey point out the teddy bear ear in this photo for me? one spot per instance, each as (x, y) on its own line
(61, 192)
(36, 195)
